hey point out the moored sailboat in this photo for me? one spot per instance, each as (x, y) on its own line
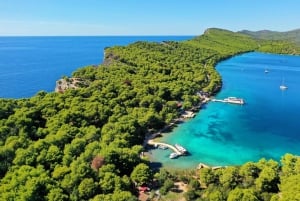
(283, 86)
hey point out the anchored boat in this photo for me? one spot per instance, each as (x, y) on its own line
(233, 100)
(181, 149)
(283, 86)
(173, 155)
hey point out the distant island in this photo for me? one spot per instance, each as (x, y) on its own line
(84, 142)
(293, 36)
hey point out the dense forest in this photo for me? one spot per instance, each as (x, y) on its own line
(252, 181)
(85, 143)
(293, 35)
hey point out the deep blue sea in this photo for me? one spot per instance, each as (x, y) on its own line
(32, 64)
(267, 126)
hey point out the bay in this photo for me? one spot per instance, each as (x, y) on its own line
(267, 126)
(32, 64)
(221, 134)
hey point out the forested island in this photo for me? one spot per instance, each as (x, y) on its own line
(85, 142)
(293, 35)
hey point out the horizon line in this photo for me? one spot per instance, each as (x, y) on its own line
(134, 35)
(146, 35)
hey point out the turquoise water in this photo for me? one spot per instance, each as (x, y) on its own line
(266, 126)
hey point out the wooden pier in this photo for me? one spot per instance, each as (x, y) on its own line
(218, 100)
(151, 142)
(202, 165)
(232, 100)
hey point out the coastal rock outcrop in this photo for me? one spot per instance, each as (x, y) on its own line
(68, 83)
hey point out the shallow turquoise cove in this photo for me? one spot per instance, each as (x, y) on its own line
(268, 125)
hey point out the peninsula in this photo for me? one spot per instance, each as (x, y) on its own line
(85, 142)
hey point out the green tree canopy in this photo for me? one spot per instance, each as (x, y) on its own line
(141, 174)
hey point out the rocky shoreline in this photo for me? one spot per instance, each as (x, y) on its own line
(68, 83)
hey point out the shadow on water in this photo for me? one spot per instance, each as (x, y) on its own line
(155, 165)
(168, 130)
(203, 106)
(198, 135)
(214, 116)
(227, 136)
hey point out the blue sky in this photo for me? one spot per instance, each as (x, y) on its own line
(144, 17)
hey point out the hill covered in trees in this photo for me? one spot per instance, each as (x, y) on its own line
(85, 143)
(293, 35)
(252, 181)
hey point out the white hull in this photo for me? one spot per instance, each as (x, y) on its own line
(173, 155)
(180, 148)
(233, 100)
(283, 87)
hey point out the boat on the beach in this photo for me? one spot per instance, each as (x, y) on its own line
(180, 148)
(173, 155)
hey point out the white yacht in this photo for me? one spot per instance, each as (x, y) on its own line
(283, 86)
(173, 155)
(180, 148)
(234, 100)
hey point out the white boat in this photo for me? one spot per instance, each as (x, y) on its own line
(180, 148)
(283, 86)
(234, 100)
(266, 71)
(173, 155)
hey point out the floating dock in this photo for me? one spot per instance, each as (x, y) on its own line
(178, 150)
(151, 142)
(232, 100)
